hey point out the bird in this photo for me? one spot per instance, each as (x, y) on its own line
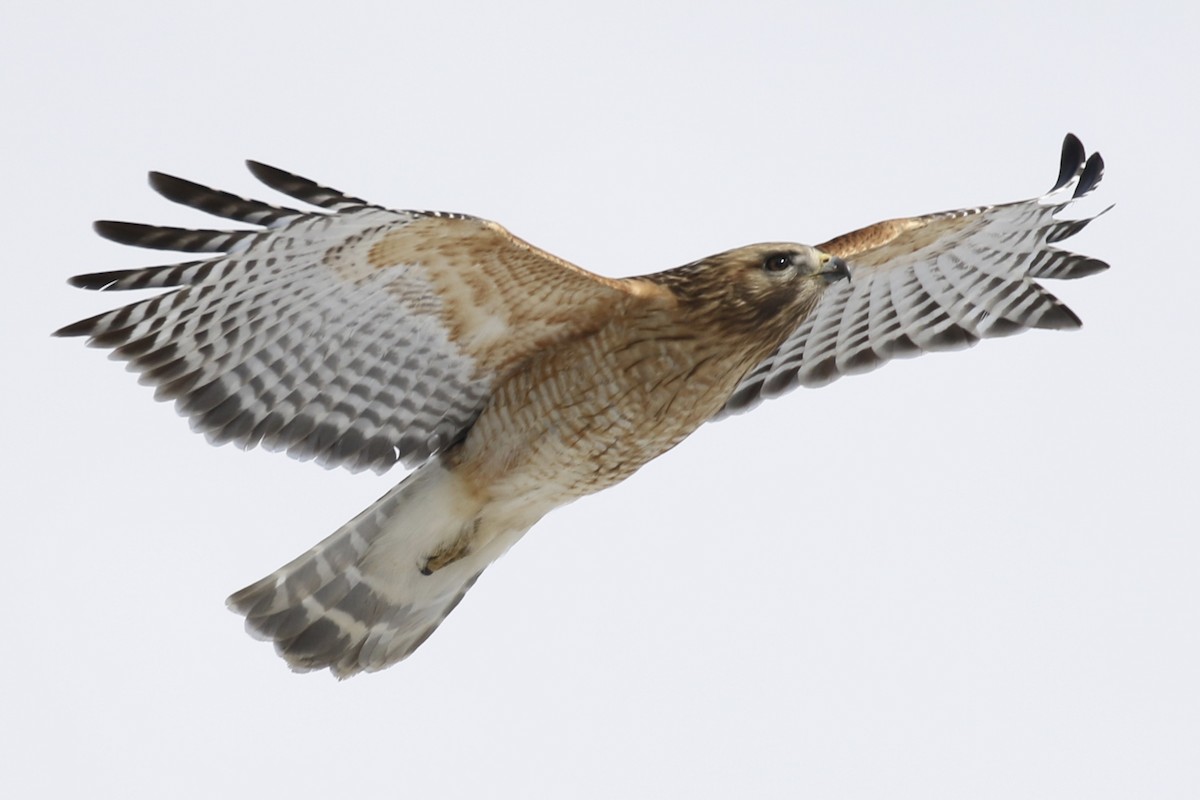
(510, 381)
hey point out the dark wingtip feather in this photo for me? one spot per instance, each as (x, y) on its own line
(273, 176)
(82, 328)
(201, 197)
(161, 237)
(119, 232)
(1093, 170)
(300, 188)
(216, 202)
(141, 277)
(1073, 155)
(136, 234)
(1089, 266)
(117, 279)
(1060, 318)
(95, 280)
(177, 190)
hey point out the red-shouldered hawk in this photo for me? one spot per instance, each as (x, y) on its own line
(359, 336)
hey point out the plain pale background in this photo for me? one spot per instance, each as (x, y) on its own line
(969, 575)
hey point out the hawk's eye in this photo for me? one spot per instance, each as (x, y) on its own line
(777, 262)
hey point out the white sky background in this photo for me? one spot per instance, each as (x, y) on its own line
(968, 575)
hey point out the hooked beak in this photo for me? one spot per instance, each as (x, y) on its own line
(834, 270)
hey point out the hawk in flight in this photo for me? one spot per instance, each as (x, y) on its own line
(515, 382)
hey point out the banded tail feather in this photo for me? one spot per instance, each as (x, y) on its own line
(372, 592)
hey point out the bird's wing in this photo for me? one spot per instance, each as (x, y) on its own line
(353, 335)
(935, 282)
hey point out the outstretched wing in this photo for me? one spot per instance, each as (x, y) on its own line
(354, 335)
(936, 282)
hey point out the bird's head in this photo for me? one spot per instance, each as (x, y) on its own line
(756, 288)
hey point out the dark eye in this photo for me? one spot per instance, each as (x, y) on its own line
(777, 262)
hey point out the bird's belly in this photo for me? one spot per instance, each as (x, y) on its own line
(577, 421)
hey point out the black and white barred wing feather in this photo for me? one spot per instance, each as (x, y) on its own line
(935, 282)
(354, 335)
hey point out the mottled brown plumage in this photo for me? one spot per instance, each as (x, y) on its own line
(586, 413)
(359, 336)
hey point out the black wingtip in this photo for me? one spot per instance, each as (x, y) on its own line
(177, 190)
(290, 184)
(1060, 318)
(120, 232)
(301, 188)
(1093, 170)
(1090, 266)
(1073, 155)
(92, 280)
(82, 328)
(137, 234)
(268, 174)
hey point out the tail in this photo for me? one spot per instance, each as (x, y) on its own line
(371, 593)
